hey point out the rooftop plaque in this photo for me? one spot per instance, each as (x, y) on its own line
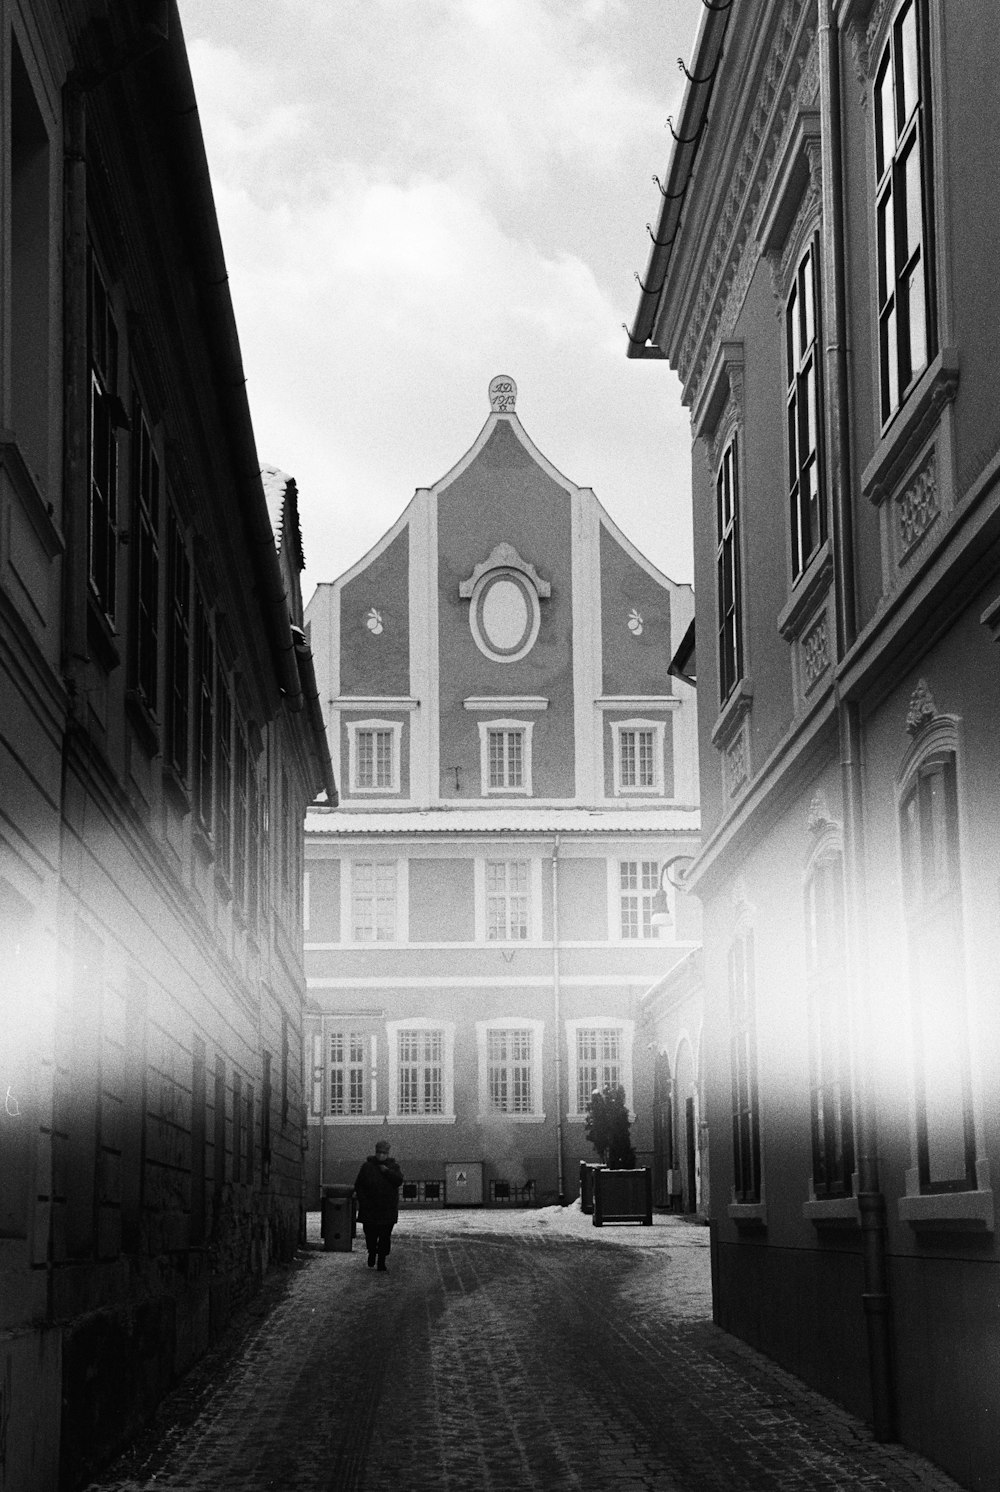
(503, 394)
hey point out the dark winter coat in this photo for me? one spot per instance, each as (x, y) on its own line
(377, 1188)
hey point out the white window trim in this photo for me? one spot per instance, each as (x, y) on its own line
(658, 727)
(347, 901)
(600, 1023)
(421, 1023)
(525, 727)
(487, 1114)
(667, 933)
(354, 727)
(534, 898)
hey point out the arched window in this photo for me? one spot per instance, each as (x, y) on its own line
(929, 843)
(829, 1039)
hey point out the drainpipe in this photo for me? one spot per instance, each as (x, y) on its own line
(556, 1020)
(871, 1201)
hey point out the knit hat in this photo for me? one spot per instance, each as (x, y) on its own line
(383, 1147)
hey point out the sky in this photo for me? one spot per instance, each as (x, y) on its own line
(416, 195)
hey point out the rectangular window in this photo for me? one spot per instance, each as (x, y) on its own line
(264, 841)
(251, 1158)
(284, 1069)
(237, 1127)
(265, 1119)
(31, 264)
(105, 418)
(224, 778)
(743, 1061)
(421, 1072)
(347, 1072)
(374, 758)
(728, 572)
(373, 901)
(907, 332)
(929, 831)
(598, 1062)
(178, 646)
(241, 817)
(637, 758)
(505, 750)
(145, 543)
(205, 725)
(805, 501)
(639, 882)
(507, 883)
(508, 1071)
(830, 1064)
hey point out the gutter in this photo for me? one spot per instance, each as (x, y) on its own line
(314, 714)
(687, 140)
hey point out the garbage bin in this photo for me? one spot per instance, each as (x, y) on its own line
(588, 1170)
(338, 1215)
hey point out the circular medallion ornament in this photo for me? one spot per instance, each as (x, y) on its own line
(503, 394)
(504, 615)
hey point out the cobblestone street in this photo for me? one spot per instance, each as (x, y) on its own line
(505, 1351)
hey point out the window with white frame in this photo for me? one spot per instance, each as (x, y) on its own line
(907, 332)
(374, 755)
(505, 756)
(639, 882)
(373, 901)
(598, 1061)
(420, 1071)
(638, 756)
(509, 1070)
(507, 900)
(346, 1072)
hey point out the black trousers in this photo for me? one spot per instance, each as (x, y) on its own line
(378, 1237)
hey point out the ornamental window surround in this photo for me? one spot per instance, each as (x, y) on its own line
(729, 582)
(510, 1069)
(637, 750)
(505, 756)
(806, 504)
(907, 328)
(421, 1071)
(599, 1051)
(374, 755)
(930, 856)
(831, 1097)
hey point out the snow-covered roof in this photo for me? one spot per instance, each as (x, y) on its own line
(642, 819)
(281, 495)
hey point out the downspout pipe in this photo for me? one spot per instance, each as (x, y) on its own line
(556, 1021)
(314, 714)
(871, 1200)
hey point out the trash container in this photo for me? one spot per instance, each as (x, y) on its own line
(338, 1214)
(588, 1170)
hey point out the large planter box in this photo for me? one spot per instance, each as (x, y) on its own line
(588, 1170)
(623, 1196)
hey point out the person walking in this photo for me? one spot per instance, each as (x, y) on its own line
(377, 1187)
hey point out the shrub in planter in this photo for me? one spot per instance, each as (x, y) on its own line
(608, 1127)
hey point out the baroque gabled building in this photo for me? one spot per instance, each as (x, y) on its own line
(160, 738)
(484, 912)
(819, 278)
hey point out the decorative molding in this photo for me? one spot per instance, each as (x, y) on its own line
(374, 623)
(735, 254)
(819, 817)
(504, 557)
(917, 506)
(635, 622)
(815, 645)
(505, 702)
(922, 709)
(503, 394)
(911, 426)
(737, 765)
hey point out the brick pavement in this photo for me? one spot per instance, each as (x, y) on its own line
(506, 1352)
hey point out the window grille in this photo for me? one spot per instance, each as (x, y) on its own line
(421, 1072)
(639, 882)
(506, 900)
(508, 1068)
(506, 758)
(373, 896)
(598, 1062)
(805, 500)
(347, 1072)
(728, 572)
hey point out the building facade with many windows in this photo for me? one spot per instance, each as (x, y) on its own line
(485, 911)
(159, 741)
(818, 278)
